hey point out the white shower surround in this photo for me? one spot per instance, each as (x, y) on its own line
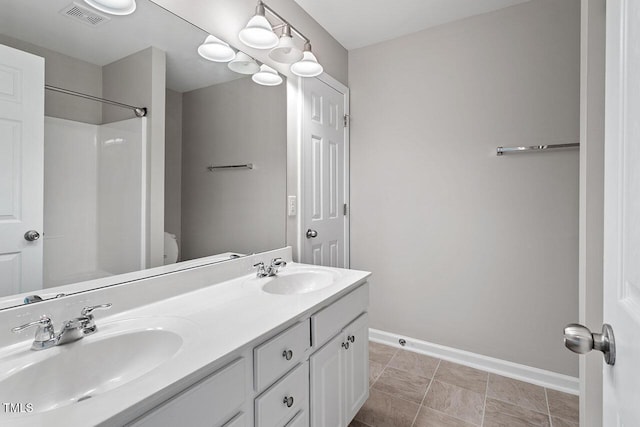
(95, 199)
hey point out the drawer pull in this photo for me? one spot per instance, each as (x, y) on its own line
(288, 401)
(287, 354)
(345, 345)
(351, 338)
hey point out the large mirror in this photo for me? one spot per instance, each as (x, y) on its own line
(203, 174)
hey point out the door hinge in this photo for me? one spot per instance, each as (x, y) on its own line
(345, 209)
(346, 120)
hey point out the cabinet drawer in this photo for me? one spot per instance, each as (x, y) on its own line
(237, 421)
(270, 407)
(210, 402)
(329, 321)
(280, 354)
(300, 420)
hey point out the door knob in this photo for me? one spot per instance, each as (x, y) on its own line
(31, 235)
(311, 234)
(579, 339)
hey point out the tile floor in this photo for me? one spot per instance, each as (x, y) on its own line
(411, 389)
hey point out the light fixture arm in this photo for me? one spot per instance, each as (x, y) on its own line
(262, 7)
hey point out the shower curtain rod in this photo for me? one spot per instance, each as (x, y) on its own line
(139, 111)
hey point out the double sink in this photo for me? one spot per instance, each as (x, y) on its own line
(126, 350)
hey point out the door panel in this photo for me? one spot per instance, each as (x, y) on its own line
(357, 366)
(326, 376)
(621, 388)
(21, 169)
(324, 172)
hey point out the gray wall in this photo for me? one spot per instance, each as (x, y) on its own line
(233, 210)
(467, 249)
(140, 79)
(592, 110)
(173, 164)
(68, 73)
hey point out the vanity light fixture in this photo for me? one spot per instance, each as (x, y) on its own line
(113, 7)
(308, 66)
(267, 76)
(243, 64)
(258, 32)
(286, 51)
(214, 49)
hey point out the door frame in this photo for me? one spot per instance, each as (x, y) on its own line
(295, 132)
(591, 225)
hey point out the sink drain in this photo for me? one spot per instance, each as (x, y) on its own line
(84, 398)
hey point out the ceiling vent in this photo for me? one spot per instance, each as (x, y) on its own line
(84, 15)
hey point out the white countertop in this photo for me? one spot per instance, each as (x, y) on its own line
(220, 319)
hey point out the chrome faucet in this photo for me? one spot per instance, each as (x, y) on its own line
(272, 270)
(72, 330)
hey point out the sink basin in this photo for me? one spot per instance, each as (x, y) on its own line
(299, 281)
(71, 373)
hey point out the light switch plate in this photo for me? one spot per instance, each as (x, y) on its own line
(292, 206)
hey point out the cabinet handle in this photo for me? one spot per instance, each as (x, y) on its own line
(351, 338)
(288, 400)
(345, 345)
(287, 354)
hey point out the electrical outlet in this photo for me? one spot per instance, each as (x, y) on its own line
(292, 206)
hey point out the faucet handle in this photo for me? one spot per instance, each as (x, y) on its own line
(275, 266)
(86, 311)
(278, 262)
(262, 272)
(44, 322)
(89, 325)
(45, 335)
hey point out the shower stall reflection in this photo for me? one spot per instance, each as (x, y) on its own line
(94, 199)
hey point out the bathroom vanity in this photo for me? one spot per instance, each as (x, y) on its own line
(213, 345)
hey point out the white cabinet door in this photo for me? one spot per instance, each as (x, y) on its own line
(340, 376)
(356, 372)
(327, 384)
(21, 169)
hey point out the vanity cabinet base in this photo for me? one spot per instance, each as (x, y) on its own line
(314, 372)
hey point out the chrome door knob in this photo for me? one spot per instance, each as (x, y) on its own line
(579, 339)
(311, 234)
(31, 235)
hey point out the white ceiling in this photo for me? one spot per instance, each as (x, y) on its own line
(359, 23)
(39, 22)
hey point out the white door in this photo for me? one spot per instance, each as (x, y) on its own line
(327, 384)
(325, 224)
(21, 169)
(621, 393)
(356, 372)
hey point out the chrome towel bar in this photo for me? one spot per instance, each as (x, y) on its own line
(245, 166)
(505, 150)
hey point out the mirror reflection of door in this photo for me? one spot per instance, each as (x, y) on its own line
(21, 158)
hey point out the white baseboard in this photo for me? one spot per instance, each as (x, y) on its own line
(537, 376)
